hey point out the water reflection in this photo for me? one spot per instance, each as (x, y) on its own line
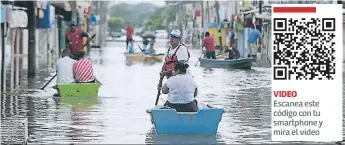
(153, 138)
(118, 114)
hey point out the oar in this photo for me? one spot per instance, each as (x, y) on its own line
(48, 82)
(159, 90)
(199, 57)
(93, 36)
(142, 50)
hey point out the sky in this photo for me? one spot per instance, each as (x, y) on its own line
(159, 3)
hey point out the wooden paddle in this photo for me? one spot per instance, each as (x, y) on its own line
(93, 36)
(142, 50)
(199, 57)
(159, 90)
(48, 82)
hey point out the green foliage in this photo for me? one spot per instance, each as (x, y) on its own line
(115, 23)
(143, 14)
(159, 19)
(135, 14)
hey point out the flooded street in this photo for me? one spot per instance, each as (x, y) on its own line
(129, 88)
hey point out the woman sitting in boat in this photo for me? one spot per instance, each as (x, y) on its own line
(83, 69)
(181, 89)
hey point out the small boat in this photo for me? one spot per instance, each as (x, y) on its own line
(78, 89)
(204, 122)
(144, 57)
(240, 63)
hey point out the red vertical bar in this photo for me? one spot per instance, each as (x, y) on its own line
(294, 9)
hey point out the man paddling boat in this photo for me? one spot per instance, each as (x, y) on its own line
(64, 67)
(176, 52)
(64, 71)
(74, 38)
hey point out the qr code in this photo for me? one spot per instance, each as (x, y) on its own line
(303, 49)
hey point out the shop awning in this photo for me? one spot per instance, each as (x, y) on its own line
(19, 19)
(62, 8)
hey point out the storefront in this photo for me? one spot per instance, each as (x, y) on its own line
(47, 34)
(13, 20)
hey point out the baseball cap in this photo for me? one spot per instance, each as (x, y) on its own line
(73, 23)
(176, 33)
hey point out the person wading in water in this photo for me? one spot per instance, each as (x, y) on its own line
(74, 38)
(181, 89)
(176, 52)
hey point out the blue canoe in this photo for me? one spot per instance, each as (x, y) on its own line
(203, 122)
(241, 63)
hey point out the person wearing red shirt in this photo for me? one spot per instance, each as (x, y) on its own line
(129, 30)
(209, 44)
(74, 38)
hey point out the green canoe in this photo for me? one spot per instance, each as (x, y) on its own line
(79, 90)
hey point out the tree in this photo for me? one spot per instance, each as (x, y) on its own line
(135, 14)
(160, 19)
(115, 23)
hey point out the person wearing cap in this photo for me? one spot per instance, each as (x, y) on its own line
(74, 38)
(176, 52)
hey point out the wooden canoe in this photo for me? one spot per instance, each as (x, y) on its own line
(144, 57)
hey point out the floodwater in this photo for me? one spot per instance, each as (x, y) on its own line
(129, 88)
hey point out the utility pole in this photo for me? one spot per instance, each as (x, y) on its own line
(260, 22)
(3, 72)
(202, 14)
(208, 11)
(202, 20)
(32, 38)
(219, 27)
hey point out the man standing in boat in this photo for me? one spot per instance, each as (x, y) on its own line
(176, 52)
(74, 38)
(210, 46)
(129, 34)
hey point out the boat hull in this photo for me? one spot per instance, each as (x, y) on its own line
(203, 122)
(78, 89)
(241, 63)
(143, 57)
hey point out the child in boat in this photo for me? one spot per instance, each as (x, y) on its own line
(131, 47)
(181, 89)
(83, 69)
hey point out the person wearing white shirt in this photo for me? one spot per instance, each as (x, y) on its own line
(181, 89)
(64, 68)
(176, 52)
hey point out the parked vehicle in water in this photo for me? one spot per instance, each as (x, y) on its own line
(116, 34)
(148, 34)
(163, 34)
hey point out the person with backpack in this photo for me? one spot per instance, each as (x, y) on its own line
(176, 52)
